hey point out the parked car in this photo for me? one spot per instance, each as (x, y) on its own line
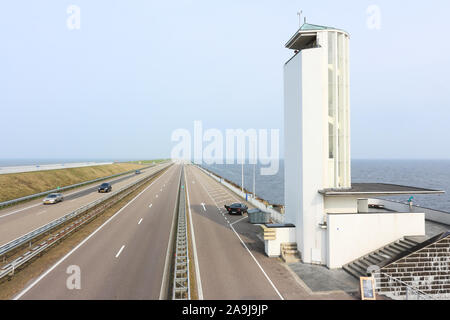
(237, 208)
(53, 198)
(105, 187)
(137, 172)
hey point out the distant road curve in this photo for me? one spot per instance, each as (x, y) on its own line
(42, 167)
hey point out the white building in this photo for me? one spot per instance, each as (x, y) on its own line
(332, 219)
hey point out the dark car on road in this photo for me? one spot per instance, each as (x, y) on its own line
(236, 208)
(137, 172)
(105, 187)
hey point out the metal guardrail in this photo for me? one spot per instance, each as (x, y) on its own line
(37, 195)
(181, 286)
(411, 293)
(9, 268)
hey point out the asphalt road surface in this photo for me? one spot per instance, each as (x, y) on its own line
(227, 268)
(124, 258)
(24, 218)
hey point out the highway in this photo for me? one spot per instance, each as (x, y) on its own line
(227, 266)
(21, 219)
(125, 257)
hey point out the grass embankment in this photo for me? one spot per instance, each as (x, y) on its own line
(148, 161)
(16, 185)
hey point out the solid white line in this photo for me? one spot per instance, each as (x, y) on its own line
(257, 263)
(10, 213)
(140, 221)
(265, 274)
(197, 267)
(82, 242)
(239, 220)
(118, 253)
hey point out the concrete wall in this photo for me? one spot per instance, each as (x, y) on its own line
(430, 214)
(351, 236)
(305, 92)
(275, 215)
(282, 235)
(341, 204)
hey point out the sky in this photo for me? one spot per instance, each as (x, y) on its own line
(135, 71)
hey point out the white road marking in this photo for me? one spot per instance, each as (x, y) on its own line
(8, 214)
(38, 204)
(204, 209)
(197, 268)
(150, 205)
(156, 196)
(140, 221)
(118, 253)
(256, 261)
(82, 242)
(239, 220)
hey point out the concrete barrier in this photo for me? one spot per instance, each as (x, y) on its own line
(275, 215)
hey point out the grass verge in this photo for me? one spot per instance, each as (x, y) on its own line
(16, 185)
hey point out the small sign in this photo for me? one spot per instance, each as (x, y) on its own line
(367, 288)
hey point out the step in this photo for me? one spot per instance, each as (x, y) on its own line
(363, 265)
(372, 260)
(390, 252)
(408, 243)
(352, 271)
(356, 271)
(401, 246)
(290, 251)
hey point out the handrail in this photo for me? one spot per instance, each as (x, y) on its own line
(420, 294)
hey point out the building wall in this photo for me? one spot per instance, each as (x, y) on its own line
(354, 235)
(305, 102)
(427, 270)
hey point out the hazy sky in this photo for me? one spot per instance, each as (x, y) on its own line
(137, 70)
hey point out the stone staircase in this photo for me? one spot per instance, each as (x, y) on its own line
(289, 252)
(379, 258)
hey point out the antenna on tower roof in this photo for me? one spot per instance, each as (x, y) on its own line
(300, 18)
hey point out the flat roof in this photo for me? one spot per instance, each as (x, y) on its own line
(378, 189)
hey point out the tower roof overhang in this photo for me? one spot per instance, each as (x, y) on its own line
(306, 35)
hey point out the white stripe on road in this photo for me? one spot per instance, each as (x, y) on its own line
(150, 205)
(118, 253)
(194, 246)
(140, 221)
(82, 242)
(245, 246)
(38, 204)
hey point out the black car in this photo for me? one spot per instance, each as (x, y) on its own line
(105, 187)
(237, 208)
